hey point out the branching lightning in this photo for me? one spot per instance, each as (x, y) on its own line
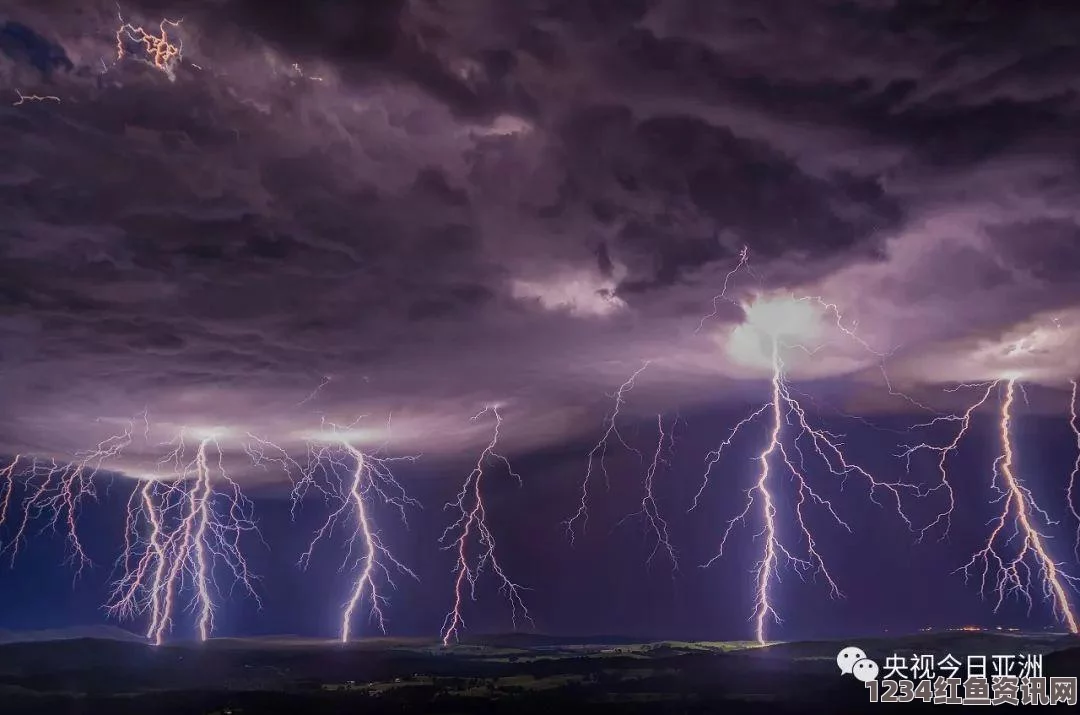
(471, 526)
(159, 51)
(597, 457)
(1070, 498)
(183, 525)
(369, 477)
(54, 493)
(598, 454)
(744, 262)
(784, 412)
(650, 511)
(1019, 523)
(24, 98)
(944, 517)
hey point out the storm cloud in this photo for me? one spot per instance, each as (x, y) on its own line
(426, 207)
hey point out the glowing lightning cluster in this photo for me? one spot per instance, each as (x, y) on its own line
(158, 51)
(1019, 523)
(54, 493)
(471, 525)
(367, 477)
(183, 526)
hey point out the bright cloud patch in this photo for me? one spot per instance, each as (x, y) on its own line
(582, 294)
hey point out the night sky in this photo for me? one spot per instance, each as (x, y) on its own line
(355, 225)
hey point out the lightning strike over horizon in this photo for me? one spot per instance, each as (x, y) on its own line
(368, 477)
(784, 410)
(183, 524)
(1031, 561)
(597, 457)
(471, 527)
(767, 319)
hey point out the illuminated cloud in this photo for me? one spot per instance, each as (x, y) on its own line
(504, 125)
(1044, 350)
(795, 324)
(579, 294)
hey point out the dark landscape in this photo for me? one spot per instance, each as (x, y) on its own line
(516, 673)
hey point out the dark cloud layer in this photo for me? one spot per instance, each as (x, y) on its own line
(441, 204)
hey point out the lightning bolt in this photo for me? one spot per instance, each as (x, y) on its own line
(472, 523)
(183, 526)
(744, 261)
(24, 98)
(783, 410)
(315, 393)
(944, 517)
(649, 510)
(159, 51)
(597, 458)
(1031, 561)
(370, 477)
(1074, 424)
(54, 493)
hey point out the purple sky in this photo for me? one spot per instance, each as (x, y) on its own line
(519, 206)
(416, 209)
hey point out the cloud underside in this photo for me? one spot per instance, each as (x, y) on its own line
(437, 209)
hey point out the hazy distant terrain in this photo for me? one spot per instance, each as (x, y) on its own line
(520, 673)
(68, 634)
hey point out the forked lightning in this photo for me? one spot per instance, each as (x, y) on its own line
(784, 413)
(369, 479)
(650, 510)
(1015, 560)
(159, 51)
(597, 458)
(471, 528)
(184, 527)
(53, 494)
(1071, 495)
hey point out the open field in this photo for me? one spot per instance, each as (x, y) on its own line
(499, 674)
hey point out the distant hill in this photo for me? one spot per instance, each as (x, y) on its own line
(957, 643)
(539, 640)
(103, 632)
